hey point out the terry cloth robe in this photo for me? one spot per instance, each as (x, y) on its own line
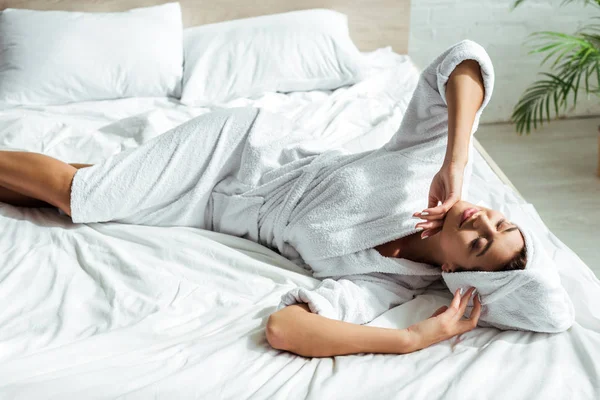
(252, 174)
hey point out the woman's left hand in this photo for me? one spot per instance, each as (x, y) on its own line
(446, 322)
(446, 188)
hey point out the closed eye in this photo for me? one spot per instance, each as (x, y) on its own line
(510, 225)
(474, 243)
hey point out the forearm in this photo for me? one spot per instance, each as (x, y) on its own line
(80, 166)
(299, 331)
(464, 96)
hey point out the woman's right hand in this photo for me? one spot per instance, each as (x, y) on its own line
(446, 322)
(446, 188)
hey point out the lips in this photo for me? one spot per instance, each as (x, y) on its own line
(468, 213)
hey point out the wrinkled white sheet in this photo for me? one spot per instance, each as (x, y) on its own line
(133, 312)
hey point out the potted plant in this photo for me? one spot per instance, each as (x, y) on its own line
(575, 66)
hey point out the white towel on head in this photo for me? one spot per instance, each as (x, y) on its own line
(532, 299)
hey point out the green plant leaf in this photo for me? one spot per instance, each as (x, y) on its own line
(576, 88)
(573, 58)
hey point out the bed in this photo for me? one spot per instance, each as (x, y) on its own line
(136, 312)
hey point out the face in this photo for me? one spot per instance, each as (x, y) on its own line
(476, 238)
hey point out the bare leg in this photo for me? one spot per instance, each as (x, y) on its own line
(20, 200)
(38, 176)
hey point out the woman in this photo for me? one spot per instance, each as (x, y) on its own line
(243, 172)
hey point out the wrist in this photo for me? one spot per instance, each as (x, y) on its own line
(455, 161)
(410, 340)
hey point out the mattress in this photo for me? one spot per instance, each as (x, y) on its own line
(135, 312)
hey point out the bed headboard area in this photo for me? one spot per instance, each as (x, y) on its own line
(373, 23)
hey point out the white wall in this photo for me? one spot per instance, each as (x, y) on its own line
(437, 24)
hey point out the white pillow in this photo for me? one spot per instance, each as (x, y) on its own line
(57, 57)
(295, 51)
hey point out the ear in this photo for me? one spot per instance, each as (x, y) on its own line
(447, 267)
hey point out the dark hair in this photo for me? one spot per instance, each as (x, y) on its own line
(518, 262)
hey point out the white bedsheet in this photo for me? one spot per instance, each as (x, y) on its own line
(132, 312)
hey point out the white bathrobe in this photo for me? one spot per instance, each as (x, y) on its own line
(252, 174)
(371, 201)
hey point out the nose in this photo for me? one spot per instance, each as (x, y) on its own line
(483, 225)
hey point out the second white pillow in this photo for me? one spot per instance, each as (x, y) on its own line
(295, 51)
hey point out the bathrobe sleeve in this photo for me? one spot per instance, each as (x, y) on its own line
(426, 118)
(356, 299)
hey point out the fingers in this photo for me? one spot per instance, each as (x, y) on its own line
(454, 314)
(429, 228)
(459, 302)
(455, 303)
(439, 311)
(476, 311)
(438, 212)
(442, 209)
(471, 322)
(464, 301)
(433, 201)
(430, 232)
(430, 224)
(429, 216)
